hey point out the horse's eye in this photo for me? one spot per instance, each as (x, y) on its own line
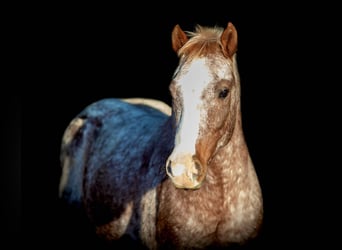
(223, 93)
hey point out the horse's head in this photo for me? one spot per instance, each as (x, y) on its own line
(205, 100)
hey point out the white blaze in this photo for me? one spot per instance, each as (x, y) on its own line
(192, 83)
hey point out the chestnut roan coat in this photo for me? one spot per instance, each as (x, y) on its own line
(175, 177)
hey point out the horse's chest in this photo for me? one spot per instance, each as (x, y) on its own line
(201, 220)
(201, 217)
(190, 220)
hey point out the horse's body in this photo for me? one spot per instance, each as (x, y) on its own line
(180, 179)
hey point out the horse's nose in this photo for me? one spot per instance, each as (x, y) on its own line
(186, 172)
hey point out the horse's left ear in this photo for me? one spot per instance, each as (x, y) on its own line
(179, 38)
(229, 40)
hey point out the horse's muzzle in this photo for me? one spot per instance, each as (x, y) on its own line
(186, 171)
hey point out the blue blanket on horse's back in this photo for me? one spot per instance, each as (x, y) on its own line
(118, 147)
(123, 127)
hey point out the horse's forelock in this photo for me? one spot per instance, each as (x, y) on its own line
(202, 41)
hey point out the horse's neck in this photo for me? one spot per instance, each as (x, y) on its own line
(233, 167)
(233, 162)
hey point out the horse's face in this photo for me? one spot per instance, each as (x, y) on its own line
(205, 92)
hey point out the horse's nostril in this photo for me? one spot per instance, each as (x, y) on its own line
(197, 164)
(197, 170)
(198, 167)
(169, 169)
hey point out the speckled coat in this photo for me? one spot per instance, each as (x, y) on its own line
(114, 156)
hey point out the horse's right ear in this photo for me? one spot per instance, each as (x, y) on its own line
(229, 40)
(179, 38)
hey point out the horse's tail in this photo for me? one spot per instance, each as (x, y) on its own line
(74, 149)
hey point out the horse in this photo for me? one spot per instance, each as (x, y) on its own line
(169, 177)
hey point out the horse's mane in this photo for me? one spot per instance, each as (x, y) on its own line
(201, 41)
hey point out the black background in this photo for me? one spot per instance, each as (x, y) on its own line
(76, 55)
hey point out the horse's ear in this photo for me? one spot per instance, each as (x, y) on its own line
(229, 40)
(179, 38)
